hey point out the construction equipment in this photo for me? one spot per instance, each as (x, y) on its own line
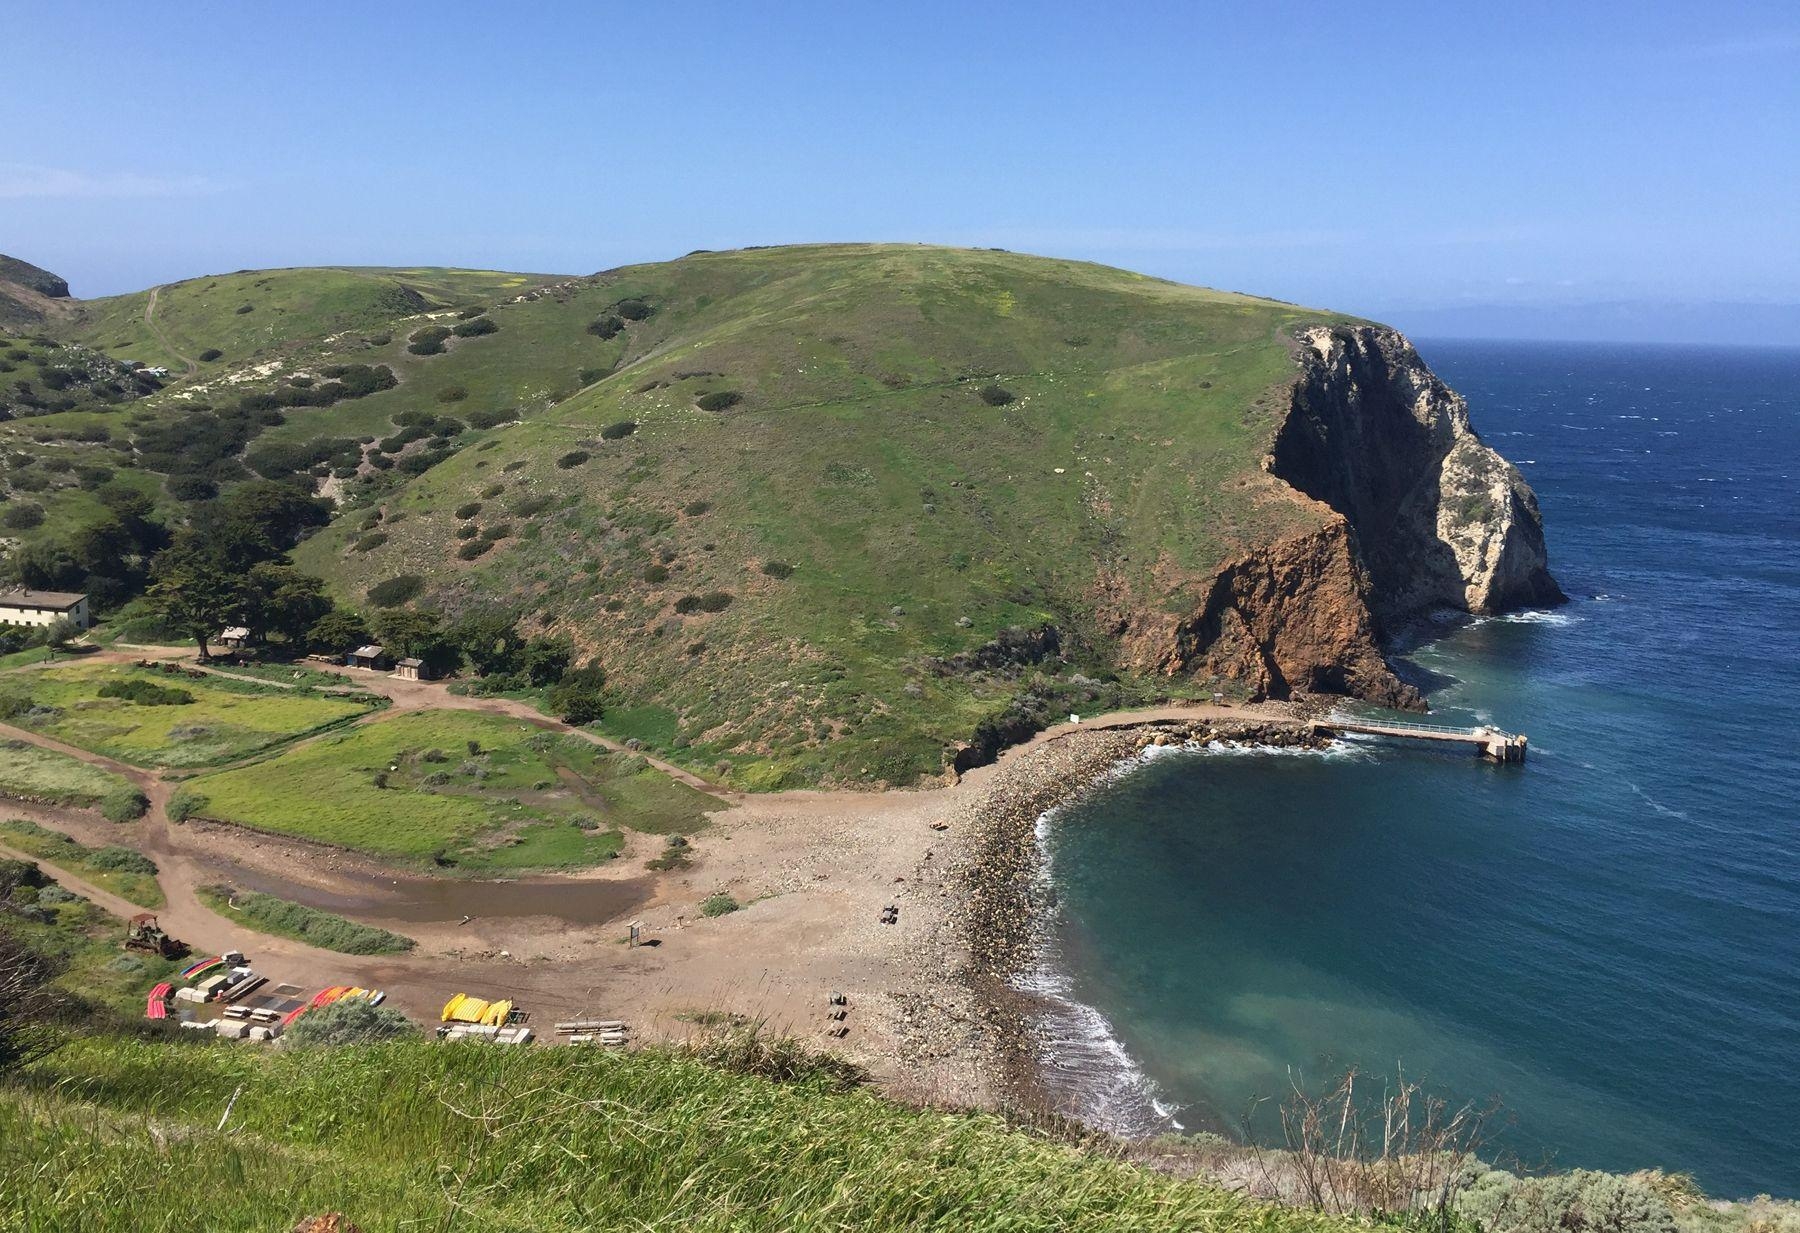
(143, 933)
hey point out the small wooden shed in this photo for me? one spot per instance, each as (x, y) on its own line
(412, 670)
(370, 656)
(236, 637)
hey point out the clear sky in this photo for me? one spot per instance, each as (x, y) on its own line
(1590, 169)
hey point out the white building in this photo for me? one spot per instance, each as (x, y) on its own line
(28, 607)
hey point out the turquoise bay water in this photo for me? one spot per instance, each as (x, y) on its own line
(1606, 938)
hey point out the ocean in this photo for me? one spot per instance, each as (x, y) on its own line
(1605, 939)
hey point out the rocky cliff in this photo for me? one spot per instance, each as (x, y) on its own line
(1416, 515)
(1440, 520)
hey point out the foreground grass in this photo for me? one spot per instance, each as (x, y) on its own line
(123, 871)
(120, 1135)
(268, 914)
(478, 791)
(45, 775)
(226, 720)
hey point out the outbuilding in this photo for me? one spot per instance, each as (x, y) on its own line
(370, 656)
(412, 670)
(28, 607)
(236, 637)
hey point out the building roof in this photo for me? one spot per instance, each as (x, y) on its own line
(53, 601)
(368, 652)
(412, 663)
(236, 631)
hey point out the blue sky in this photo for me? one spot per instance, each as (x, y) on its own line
(1613, 169)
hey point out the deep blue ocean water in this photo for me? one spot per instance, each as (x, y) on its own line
(1606, 938)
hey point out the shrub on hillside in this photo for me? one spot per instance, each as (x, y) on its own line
(370, 542)
(720, 904)
(720, 400)
(468, 509)
(210, 354)
(125, 804)
(777, 569)
(476, 328)
(467, 530)
(428, 340)
(393, 592)
(23, 516)
(578, 697)
(241, 309)
(693, 509)
(452, 393)
(619, 431)
(711, 601)
(656, 573)
(574, 458)
(473, 549)
(995, 395)
(529, 506)
(633, 309)
(491, 419)
(606, 327)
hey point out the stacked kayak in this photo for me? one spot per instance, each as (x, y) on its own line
(464, 1009)
(194, 971)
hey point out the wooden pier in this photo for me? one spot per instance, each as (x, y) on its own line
(1490, 743)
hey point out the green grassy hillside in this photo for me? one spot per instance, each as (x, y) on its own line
(778, 493)
(909, 450)
(123, 1135)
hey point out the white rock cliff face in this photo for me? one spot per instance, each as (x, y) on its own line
(1440, 519)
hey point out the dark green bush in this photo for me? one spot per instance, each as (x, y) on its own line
(467, 530)
(468, 509)
(469, 313)
(711, 601)
(245, 308)
(693, 509)
(529, 506)
(606, 327)
(395, 591)
(995, 395)
(474, 548)
(579, 697)
(656, 573)
(574, 458)
(369, 543)
(587, 376)
(146, 693)
(210, 354)
(476, 328)
(125, 804)
(633, 309)
(619, 431)
(23, 516)
(777, 569)
(720, 400)
(491, 419)
(452, 393)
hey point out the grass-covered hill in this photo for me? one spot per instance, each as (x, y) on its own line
(117, 1135)
(794, 499)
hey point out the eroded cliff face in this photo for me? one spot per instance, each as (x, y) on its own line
(1440, 520)
(1415, 514)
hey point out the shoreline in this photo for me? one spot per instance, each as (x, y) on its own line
(1000, 908)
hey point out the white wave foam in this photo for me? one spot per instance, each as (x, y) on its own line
(1076, 1044)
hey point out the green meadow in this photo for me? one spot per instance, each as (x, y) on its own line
(225, 721)
(45, 775)
(457, 789)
